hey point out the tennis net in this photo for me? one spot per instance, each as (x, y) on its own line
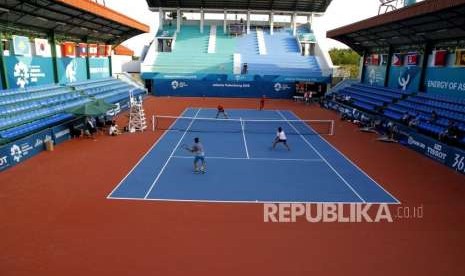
(195, 124)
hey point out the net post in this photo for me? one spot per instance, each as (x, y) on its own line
(153, 123)
(331, 133)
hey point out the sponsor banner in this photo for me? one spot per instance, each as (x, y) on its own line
(374, 75)
(25, 148)
(71, 69)
(28, 71)
(99, 68)
(448, 81)
(61, 133)
(406, 78)
(445, 154)
(5, 158)
(246, 89)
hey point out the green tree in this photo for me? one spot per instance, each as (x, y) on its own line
(347, 59)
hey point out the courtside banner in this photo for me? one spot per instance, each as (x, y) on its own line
(71, 69)
(25, 148)
(61, 133)
(5, 158)
(99, 68)
(28, 71)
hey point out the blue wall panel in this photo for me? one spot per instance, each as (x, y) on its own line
(374, 75)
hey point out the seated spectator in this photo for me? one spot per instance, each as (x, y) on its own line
(108, 120)
(75, 132)
(434, 117)
(100, 122)
(452, 134)
(91, 128)
(114, 131)
(414, 121)
(405, 118)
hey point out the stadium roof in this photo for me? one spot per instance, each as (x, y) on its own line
(304, 6)
(76, 18)
(430, 20)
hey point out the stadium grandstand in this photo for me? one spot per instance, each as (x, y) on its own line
(224, 52)
(412, 75)
(56, 56)
(218, 139)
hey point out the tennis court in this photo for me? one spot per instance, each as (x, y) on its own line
(242, 167)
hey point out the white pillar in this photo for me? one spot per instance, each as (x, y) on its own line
(178, 25)
(271, 23)
(225, 22)
(202, 19)
(294, 24)
(248, 22)
(161, 18)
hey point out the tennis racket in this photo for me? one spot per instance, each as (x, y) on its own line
(186, 147)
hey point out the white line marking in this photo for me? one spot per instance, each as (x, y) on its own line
(355, 165)
(249, 201)
(171, 155)
(245, 140)
(321, 156)
(142, 158)
(252, 158)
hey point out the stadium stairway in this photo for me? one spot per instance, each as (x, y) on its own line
(190, 55)
(25, 111)
(283, 56)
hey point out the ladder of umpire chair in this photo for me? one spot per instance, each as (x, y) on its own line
(137, 120)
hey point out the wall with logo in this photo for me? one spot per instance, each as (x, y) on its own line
(23, 72)
(447, 80)
(71, 69)
(405, 78)
(99, 68)
(223, 88)
(374, 75)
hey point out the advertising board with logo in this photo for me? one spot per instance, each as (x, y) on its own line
(405, 78)
(72, 69)
(99, 68)
(26, 71)
(246, 89)
(374, 75)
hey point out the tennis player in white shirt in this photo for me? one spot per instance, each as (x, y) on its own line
(281, 138)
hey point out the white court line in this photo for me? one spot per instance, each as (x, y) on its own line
(143, 157)
(171, 155)
(249, 201)
(245, 140)
(350, 161)
(324, 159)
(252, 158)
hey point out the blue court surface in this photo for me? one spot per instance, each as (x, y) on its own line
(242, 167)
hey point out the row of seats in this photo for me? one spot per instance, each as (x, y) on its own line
(398, 103)
(8, 110)
(23, 113)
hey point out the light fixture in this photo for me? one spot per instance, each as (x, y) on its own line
(42, 19)
(4, 10)
(61, 23)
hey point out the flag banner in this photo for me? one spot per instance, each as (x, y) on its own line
(397, 59)
(101, 52)
(368, 60)
(412, 59)
(440, 57)
(92, 51)
(68, 49)
(21, 45)
(43, 48)
(82, 50)
(108, 50)
(384, 59)
(374, 59)
(460, 57)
